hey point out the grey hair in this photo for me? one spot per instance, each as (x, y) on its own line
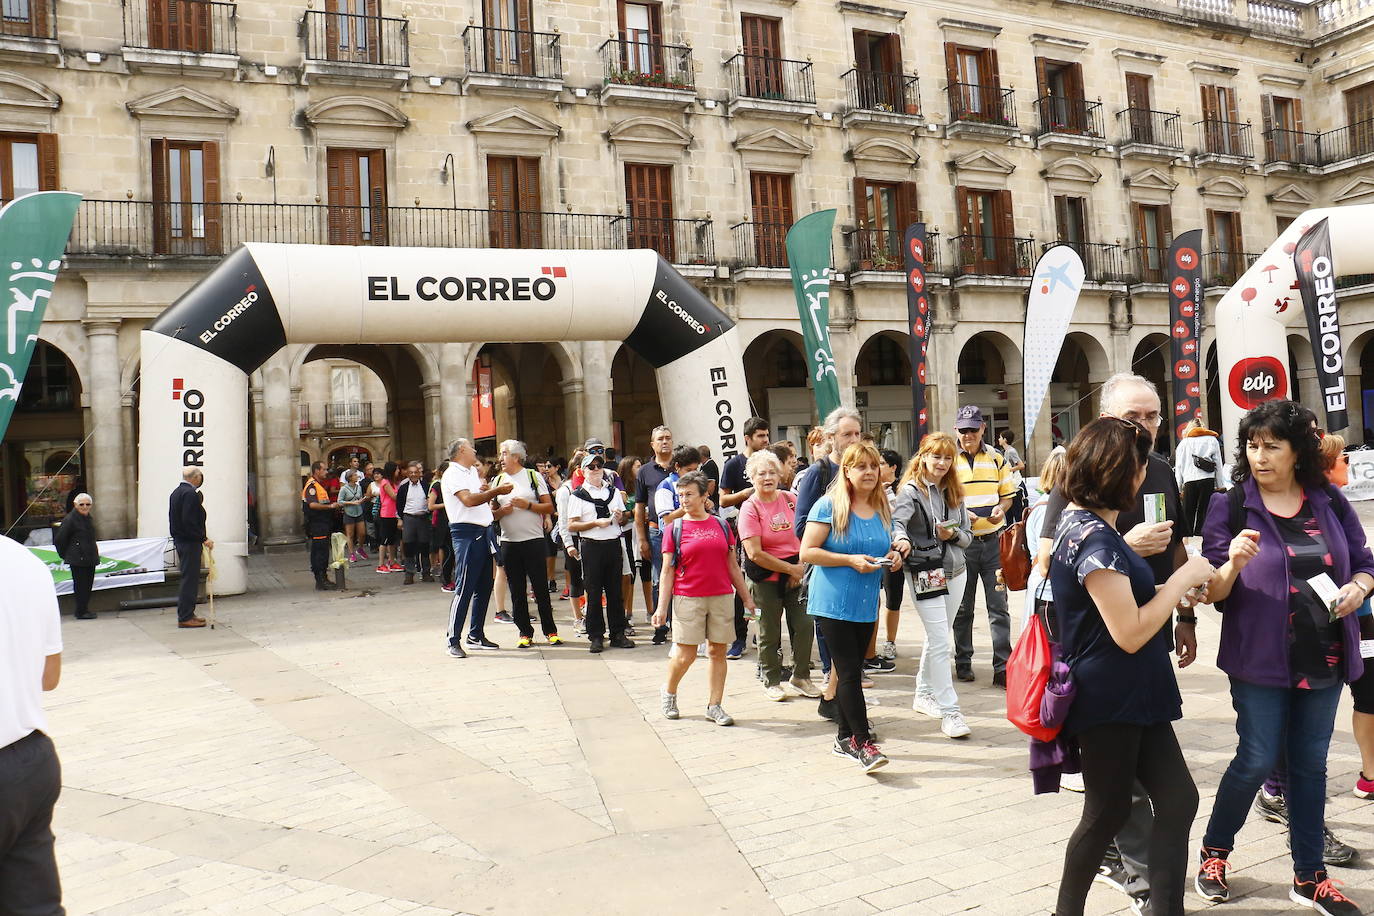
(1110, 386)
(832, 419)
(758, 460)
(81, 496)
(455, 445)
(515, 447)
(660, 429)
(191, 471)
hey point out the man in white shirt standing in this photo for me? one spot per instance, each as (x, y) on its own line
(596, 510)
(30, 775)
(522, 515)
(469, 524)
(412, 505)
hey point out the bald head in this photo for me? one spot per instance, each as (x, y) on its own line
(192, 475)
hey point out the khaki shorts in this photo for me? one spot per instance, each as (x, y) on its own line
(708, 619)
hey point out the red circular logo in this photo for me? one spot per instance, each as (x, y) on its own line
(1255, 380)
(921, 373)
(920, 327)
(1185, 369)
(1187, 309)
(1181, 329)
(1190, 347)
(918, 282)
(1179, 287)
(1182, 407)
(1185, 258)
(918, 251)
(922, 305)
(1194, 390)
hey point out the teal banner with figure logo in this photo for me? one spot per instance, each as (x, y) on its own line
(33, 235)
(808, 254)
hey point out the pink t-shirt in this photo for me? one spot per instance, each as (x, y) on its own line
(705, 569)
(772, 524)
(388, 508)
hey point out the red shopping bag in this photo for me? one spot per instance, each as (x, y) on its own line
(1028, 672)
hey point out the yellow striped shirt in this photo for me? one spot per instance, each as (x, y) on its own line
(987, 480)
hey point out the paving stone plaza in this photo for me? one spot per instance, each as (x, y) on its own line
(319, 753)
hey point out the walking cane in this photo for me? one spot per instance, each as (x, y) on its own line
(209, 559)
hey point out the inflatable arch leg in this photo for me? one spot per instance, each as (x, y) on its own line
(198, 354)
(1253, 315)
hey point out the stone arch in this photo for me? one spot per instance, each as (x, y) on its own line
(900, 374)
(1008, 351)
(775, 367)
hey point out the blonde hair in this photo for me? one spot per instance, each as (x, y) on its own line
(1051, 472)
(937, 443)
(841, 491)
(757, 461)
(1331, 446)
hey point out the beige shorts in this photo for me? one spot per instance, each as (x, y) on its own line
(708, 619)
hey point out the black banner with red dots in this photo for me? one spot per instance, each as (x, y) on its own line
(918, 327)
(1184, 272)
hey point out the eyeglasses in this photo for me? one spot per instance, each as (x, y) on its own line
(597, 449)
(1153, 417)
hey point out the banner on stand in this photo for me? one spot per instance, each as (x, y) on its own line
(918, 327)
(1056, 283)
(808, 255)
(1317, 284)
(1183, 267)
(131, 561)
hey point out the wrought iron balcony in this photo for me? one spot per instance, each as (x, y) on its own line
(1063, 115)
(1222, 268)
(1146, 264)
(513, 52)
(990, 105)
(647, 64)
(1349, 142)
(760, 244)
(348, 415)
(356, 39)
(771, 78)
(135, 228)
(193, 26)
(1102, 263)
(1150, 128)
(1225, 138)
(1293, 147)
(872, 90)
(992, 255)
(881, 250)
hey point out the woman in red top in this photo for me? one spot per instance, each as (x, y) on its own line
(700, 578)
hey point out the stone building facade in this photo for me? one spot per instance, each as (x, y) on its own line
(698, 127)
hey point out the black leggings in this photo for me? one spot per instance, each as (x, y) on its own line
(1114, 757)
(848, 643)
(83, 579)
(894, 581)
(1196, 496)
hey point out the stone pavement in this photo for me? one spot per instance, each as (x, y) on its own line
(319, 754)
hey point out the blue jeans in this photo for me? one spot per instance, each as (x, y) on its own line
(1270, 720)
(474, 576)
(656, 559)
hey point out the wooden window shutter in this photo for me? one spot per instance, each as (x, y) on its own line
(157, 23)
(524, 16)
(214, 212)
(865, 243)
(1267, 125)
(1002, 211)
(988, 74)
(162, 235)
(962, 204)
(529, 203)
(861, 203)
(1238, 242)
(1138, 91)
(47, 161)
(1061, 217)
(908, 209)
(1042, 79)
(1211, 108)
(1211, 216)
(501, 201)
(656, 37)
(894, 52)
(38, 19)
(1166, 225)
(376, 195)
(1076, 87)
(199, 36)
(341, 181)
(951, 63)
(862, 61)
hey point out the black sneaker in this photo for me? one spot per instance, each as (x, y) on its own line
(1334, 852)
(826, 710)
(324, 585)
(553, 587)
(596, 645)
(965, 675)
(868, 755)
(1272, 808)
(999, 679)
(620, 642)
(456, 652)
(482, 643)
(660, 635)
(504, 617)
(843, 748)
(1210, 882)
(1112, 872)
(878, 665)
(1319, 892)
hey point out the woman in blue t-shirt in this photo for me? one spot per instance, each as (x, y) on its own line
(848, 544)
(1114, 636)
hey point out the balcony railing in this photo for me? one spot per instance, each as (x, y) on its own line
(1152, 128)
(1102, 263)
(870, 90)
(773, 78)
(992, 255)
(881, 250)
(513, 52)
(1222, 268)
(1225, 138)
(33, 19)
(1292, 146)
(1063, 115)
(1346, 142)
(356, 39)
(644, 63)
(348, 415)
(982, 104)
(196, 26)
(136, 228)
(760, 244)
(1146, 264)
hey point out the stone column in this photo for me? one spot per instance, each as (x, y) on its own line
(942, 365)
(595, 418)
(456, 394)
(104, 460)
(434, 434)
(279, 483)
(128, 414)
(575, 425)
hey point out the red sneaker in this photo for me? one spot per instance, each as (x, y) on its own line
(383, 568)
(397, 567)
(1364, 788)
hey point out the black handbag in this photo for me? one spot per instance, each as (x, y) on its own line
(1204, 464)
(756, 573)
(924, 555)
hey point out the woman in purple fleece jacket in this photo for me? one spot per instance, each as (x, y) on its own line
(1286, 648)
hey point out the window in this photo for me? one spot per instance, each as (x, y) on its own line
(1221, 125)
(27, 18)
(882, 211)
(762, 57)
(357, 196)
(50, 382)
(641, 35)
(1140, 124)
(986, 243)
(508, 36)
(878, 60)
(1071, 220)
(771, 196)
(186, 212)
(1284, 139)
(1154, 233)
(28, 163)
(513, 198)
(1061, 104)
(883, 362)
(975, 91)
(649, 203)
(174, 25)
(1228, 259)
(353, 30)
(346, 393)
(1359, 115)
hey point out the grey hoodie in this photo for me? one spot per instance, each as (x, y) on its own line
(938, 511)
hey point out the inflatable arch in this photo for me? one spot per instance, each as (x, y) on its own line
(197, 355)
(1252, 317)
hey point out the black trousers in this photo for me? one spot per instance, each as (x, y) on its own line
(83, 577)
(601, 563)
(526, 567)
(30, 780)
(1115, 756)
(848, 642)
(1196, 495)
(415, 540)
(319, 555)
(439, 540)
(188, 559)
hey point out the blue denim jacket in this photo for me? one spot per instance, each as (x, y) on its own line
(1254, 626)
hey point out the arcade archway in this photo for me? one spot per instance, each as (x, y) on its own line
(635, 407)
(776, 372)
(40, 458)
(883, 390)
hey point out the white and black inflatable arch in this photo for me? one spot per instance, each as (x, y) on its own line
(196, 357)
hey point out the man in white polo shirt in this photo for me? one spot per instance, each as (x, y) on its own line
(469, 524)
(526, 553)
(30, 776)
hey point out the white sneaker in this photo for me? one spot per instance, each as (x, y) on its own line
(667, 703)
(954, 726)
(775, 692)
(925, 704)
(804, 687)
(1072, 782)
(888, 650)
(718, 715)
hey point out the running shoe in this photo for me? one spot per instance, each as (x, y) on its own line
(868, 754)
(925, 704)
(1072, 782)
(397, 567)
(716, 714)
(828, 709)
(580, 627)
(667, 702)
(953, 726)
(383, 569)
(1272, 808)
(1210, 882)
(1319, 892)
(1112, 872)
(736, 650)
(553, 587)
(844, 748)
(504, 616)
(448, 587)
(564, 596)
(362, 552)
(804, 686)
(1364, 788)
(774, 692)
(456, 652)
(554, 639)
(524, 642)
(480, 643)
(878, 665)
(888, 650)
(1334, 852)
(353, 557)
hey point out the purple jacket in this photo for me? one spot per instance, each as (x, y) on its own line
(1254, 626)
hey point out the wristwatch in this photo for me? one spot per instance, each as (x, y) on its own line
(1185, 618)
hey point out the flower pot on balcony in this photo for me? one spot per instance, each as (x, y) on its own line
(912, 108)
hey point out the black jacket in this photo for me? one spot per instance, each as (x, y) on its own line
(75, 540)
(186, 514)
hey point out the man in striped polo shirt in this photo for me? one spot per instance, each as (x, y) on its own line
(989, 485)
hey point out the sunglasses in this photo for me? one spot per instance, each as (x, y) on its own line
(597, 449)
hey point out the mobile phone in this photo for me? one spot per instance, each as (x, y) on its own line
(883, 561)
(950, 524)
